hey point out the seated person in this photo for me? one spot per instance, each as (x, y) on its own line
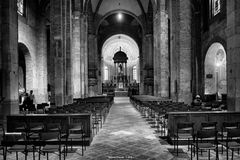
(26, 102)
(197, 101)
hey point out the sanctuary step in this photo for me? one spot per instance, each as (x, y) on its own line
(121, 93)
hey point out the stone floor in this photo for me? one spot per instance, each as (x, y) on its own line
(125, 136)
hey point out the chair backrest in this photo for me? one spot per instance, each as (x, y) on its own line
(185, 127)
(48, 136)
(229, 125)
(76, 127)
(52, 127)
(36, 124)
(209, 126)
(203, 134)
(233, 133)
(21, 127)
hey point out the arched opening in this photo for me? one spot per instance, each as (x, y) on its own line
(25, 72)
(215, 72)
(123, 43)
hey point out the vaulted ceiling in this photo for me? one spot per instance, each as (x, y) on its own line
(136, 7)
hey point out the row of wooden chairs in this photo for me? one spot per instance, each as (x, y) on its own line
(208, 137)
(155, 112)
(43, 141)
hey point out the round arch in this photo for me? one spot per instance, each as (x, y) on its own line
(128, 45)
(215, 67)
(25, 68)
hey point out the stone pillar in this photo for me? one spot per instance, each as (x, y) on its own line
(9, 58)
(92, 65)
(233, 56)
(69, 92)
(41, 60)
(184, 73)
(141, 68)
(75, 55)
(148, 64)
(58, 49)
(115, 68)
(84, 54)
(100, 74)
(125, 66)
(79, 51)
(161, 55)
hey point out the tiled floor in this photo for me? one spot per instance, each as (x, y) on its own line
(125, 136)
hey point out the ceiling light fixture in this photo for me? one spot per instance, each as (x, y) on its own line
(119, 16)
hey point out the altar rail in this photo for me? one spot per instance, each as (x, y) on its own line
(65, 120)
(198, 117)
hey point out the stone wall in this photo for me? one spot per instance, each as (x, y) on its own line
(233, 56)
(32, 34)
(215, 33)
(9, 58)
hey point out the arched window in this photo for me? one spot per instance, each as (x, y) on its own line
(216, 70)
(21, 7)
(215, 7)
(105, 73)
(135, 73)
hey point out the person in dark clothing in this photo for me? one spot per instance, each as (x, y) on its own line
(26, 102)
(31, 106)
(197, 101)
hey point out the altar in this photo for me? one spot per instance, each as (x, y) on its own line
(120, 69)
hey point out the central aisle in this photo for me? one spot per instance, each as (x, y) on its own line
(125, 135)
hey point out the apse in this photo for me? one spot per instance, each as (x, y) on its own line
(124, 43)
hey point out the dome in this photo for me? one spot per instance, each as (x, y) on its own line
(120, 57)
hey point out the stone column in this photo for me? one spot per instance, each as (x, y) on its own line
(84, 54)
(57, 49)
(92, 65)
(141, 68)
(79, 51)
(68, 51)
(75, 55)
(9, 58)
(41, 61)
(100, 74)
(233, 56)
(115, 68)
(184, 72)
(148, 69)
(161, 55)
(125, 69)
